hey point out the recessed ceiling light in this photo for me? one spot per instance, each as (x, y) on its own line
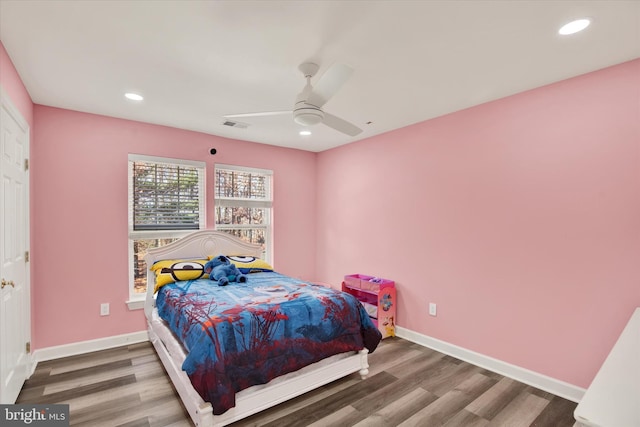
(133, 96)
(305, 132)
(574, 26)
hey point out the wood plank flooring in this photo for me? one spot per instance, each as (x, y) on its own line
(408, 385)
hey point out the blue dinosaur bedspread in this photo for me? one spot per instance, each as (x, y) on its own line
(248, 333)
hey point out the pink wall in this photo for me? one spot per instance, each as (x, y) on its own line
(12, 84)
(520, 218)
(80, 221)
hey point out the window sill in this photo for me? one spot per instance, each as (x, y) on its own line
(135, 304)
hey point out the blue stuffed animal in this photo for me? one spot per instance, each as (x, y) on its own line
(223, 271)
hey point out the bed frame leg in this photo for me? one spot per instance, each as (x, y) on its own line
(364, 370)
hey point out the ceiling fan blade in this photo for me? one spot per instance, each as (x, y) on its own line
(341, 125)
(260, 114)
(330, 82)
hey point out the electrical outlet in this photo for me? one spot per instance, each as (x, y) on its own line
(432, 308)
(104, 309)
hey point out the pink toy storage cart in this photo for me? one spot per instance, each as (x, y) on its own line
(378, 296)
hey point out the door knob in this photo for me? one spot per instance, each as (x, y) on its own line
(5, 283)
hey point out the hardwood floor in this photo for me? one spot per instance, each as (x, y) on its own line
(408, 385)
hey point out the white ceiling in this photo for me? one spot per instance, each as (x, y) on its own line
(195, 61)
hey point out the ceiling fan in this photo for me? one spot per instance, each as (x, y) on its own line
(307, 109)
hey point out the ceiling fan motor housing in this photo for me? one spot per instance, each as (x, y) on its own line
(308, 115)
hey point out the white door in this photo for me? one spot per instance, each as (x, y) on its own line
(15, 327)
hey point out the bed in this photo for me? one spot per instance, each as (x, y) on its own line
(208, 372)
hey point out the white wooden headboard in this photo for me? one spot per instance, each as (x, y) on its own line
(199, 244)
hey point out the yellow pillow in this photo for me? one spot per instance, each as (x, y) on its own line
(250, 264)
(175, 270)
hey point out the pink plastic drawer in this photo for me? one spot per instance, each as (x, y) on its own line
(356, 280)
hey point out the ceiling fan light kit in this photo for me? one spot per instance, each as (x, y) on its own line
(307, 110)
(308, 116)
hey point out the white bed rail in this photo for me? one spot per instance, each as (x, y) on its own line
(613, 398)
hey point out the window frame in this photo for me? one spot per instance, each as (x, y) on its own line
(266, 204)
(136, 300)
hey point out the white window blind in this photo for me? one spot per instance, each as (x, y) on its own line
(165, 197)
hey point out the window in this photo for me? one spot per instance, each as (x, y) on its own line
(243, 201)
(166, 202)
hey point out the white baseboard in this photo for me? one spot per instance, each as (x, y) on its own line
(56, 352)
(540, 381)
